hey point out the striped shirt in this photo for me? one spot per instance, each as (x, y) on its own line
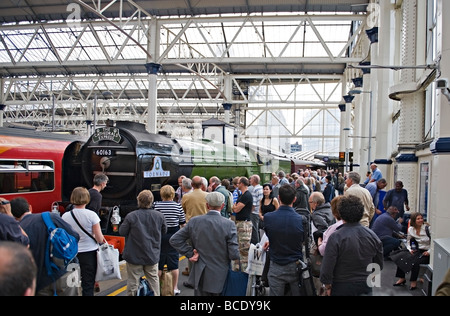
(172, 211)
(257, 194)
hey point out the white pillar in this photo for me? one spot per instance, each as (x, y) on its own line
(227, 108)
(152, 70)
(372, 99)
(364, 105)
(439, 215)
(412, 106)
(382, 55)
(228, 96)
(2, 107)
(2, 100)
(345, 128)
(342, 108)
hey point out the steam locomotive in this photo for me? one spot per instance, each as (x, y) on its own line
(134, 160)
(45, 168)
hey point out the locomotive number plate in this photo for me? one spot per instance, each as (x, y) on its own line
(104, 152)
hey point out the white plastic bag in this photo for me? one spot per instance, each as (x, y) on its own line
(256, 260)
(107, 263)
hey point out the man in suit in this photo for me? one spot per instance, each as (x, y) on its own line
(194, 204)
(211, 256)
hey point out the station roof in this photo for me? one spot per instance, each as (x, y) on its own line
(12, 11)
(48, 50)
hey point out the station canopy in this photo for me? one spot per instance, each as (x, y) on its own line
(79, 49)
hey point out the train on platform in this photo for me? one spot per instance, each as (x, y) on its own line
(31, 165)
(46, 167)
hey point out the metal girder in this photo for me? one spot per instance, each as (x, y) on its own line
(54, 10)
(96, 46)
(265, 51)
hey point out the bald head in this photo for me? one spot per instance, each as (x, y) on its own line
(197, 182)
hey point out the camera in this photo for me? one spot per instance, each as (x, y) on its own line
(442, 84)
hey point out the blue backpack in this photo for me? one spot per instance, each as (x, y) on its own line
(61, 247)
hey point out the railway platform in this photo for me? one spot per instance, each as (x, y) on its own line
(118, 287)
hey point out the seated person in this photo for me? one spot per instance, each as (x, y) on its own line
(385, 226)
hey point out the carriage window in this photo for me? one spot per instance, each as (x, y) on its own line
(20, 176)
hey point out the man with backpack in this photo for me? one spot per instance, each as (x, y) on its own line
(63, 282)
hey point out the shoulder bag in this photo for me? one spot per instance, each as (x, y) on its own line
(316, 260)
(236, 283)
(305, 280)
(404, 259)
(107, 258)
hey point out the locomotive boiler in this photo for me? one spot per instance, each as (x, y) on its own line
(134, 160)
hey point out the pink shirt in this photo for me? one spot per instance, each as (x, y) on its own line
(327, 234)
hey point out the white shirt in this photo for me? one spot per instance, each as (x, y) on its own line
(87, 219)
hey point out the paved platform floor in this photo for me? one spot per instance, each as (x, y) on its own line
(118, 287)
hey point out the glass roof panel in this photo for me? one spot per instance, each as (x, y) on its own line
(295, 38)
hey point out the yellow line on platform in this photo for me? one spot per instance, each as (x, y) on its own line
(124, 288)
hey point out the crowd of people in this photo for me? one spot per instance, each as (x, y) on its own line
(292, 212)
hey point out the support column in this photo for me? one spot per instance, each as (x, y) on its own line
(381, 53)
(152, 70)
(2, 100)
(227, 108)
(357, 128)
(342, 108)
(2, 108)
(228, 96)
(439, 197)
(411, 107)
(237, 124)
(365, 123)
(89, 119)
(345, 116)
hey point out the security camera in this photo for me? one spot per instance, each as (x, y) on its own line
(442, 84)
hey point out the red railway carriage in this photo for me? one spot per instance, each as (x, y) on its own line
(31, 166)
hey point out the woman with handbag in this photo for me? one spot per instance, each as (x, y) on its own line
(87, 247)
(418, 239)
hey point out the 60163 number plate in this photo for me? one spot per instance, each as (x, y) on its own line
(104, 152)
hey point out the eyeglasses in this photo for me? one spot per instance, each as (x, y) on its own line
(311, 202)
(5, 202)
